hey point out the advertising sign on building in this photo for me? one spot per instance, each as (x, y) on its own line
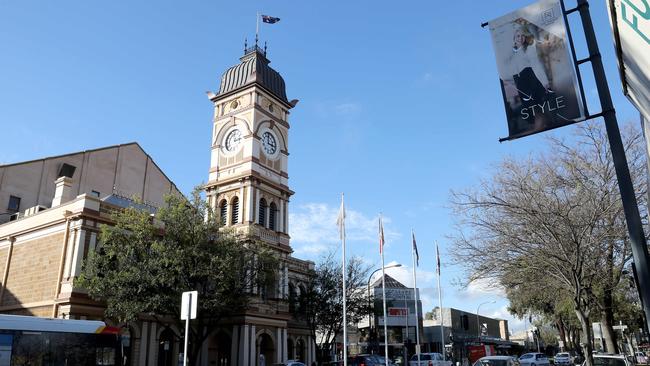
(536, 70)
(630, 22)
(397, 311)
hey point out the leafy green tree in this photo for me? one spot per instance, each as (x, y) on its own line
(144, 262)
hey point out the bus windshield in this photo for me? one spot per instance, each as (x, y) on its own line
(20, 347)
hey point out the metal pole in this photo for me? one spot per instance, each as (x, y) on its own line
(406, 351)
(632, 217)
(442, 319)
(383, 290)
(415, 295)
(187, 329)
(345, 312)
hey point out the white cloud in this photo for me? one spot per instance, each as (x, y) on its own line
(347, 109)
(483, 289)
(313, 228)
(514, 324)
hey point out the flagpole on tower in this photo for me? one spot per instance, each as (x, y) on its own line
(383, 287)
(257, 27)
(442, 328)
(341, 224)
(416, 260)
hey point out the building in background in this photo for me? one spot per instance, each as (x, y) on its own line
(401, 320)
(466, 335)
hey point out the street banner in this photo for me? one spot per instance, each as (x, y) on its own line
(630, 21)
(536, 70)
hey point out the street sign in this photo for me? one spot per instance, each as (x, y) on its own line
(620, 327)
(188, 304)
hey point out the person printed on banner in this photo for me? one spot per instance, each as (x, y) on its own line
(529, 74)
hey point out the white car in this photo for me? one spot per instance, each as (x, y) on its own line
(641, 357)
(563, 358)
(533, 359)
(496, 361)
(611, 360)
(429, 359)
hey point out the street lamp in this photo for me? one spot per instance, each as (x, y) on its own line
(373, 308)
(478, 322)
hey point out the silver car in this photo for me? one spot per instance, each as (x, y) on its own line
(533, 359)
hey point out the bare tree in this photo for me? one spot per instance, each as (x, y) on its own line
(322, 302)
(555, 220)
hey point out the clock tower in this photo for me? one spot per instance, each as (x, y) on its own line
(248, 188)
(248, 180)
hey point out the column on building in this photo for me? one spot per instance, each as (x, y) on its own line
(253, 346)
(285, 340)
(244, 341)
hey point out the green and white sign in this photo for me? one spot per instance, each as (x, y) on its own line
(630, 20)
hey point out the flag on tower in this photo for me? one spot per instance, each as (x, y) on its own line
(269, 19)
(381, 236)
(438, 259)
(415, 250)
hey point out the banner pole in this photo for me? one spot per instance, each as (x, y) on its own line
(628, 196)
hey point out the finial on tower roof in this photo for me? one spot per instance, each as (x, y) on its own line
(264, 48)
(245, 45)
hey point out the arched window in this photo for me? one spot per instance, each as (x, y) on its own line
(223, 212)
(272, 213)
(234, 210)
(261, 218)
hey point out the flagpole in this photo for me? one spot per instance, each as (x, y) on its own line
(345, 311)
(383, 289)
(257, 27)
(415, 295)
(442, 319)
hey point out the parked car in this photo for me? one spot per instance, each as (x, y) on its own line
(368, 360)
(563, 358)
(429, 359)
(534, 359)
(641, 357)
(496, 361)
(290, 363)
(611, 360)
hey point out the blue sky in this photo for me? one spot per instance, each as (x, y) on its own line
(399, 104)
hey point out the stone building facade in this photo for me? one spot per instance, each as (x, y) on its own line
(44, 239)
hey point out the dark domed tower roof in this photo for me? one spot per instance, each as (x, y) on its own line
(253, 69)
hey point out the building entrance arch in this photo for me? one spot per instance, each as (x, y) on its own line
(265, 350)
(219, 346)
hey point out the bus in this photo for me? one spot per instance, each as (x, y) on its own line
(28, 340)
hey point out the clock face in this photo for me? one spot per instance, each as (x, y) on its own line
(269, 144)
(232, 140)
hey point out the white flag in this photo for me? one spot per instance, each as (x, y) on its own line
(340, 220)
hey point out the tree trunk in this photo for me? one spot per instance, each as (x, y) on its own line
(607, 316)
(560, 328)
(608, 332)
(587, 347)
